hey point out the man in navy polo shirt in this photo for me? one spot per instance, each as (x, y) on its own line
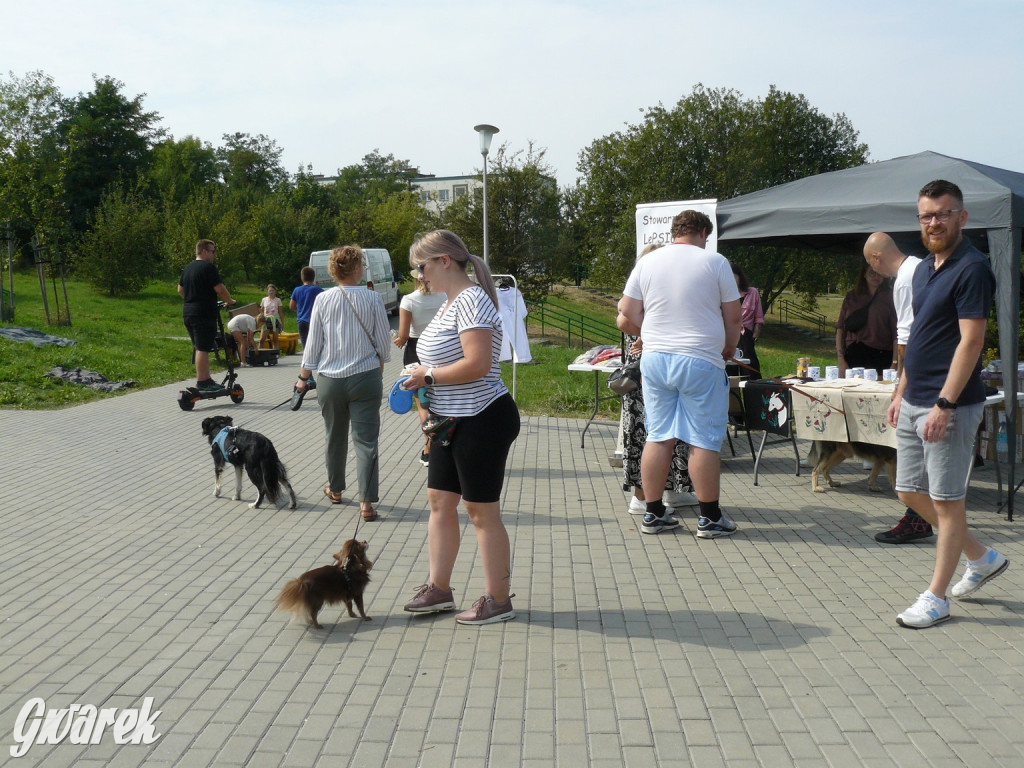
(940, 399)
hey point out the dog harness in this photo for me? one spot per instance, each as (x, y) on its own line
(220, 439)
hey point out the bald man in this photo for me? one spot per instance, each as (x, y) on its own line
(884, 256)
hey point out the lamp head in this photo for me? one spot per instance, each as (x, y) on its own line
(486, 134)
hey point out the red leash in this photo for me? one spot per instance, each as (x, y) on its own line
(787, 385)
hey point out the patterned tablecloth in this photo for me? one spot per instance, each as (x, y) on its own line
(864, 403)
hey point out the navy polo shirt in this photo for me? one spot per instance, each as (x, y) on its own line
(961, 289)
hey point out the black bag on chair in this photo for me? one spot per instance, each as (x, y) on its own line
(625, 379)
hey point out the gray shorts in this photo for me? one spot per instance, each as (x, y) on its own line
(939, 469)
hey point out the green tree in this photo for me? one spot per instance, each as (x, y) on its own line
(251, 163)
(282, 238)
(181, 167)
(376, 208)
(121, 251)
(712, 144)
(107, 138)
(31, 193)
(523, 219)
(216, 214)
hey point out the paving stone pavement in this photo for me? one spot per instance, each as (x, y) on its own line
(123, 578)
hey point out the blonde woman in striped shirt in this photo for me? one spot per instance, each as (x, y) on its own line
(350, 357)
(459, 352)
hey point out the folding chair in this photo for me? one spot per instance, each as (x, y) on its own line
(768, 406)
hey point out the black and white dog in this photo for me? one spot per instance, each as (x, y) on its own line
(255, 452)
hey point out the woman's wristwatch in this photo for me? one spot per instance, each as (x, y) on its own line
(428, 377)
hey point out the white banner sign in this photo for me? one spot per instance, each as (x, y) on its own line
(654, 221)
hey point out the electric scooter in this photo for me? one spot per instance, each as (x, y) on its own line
(188, 397)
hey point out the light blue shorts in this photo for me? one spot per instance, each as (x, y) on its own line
(940, 469)
(685, 398)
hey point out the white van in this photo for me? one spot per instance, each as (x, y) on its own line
(377, 274)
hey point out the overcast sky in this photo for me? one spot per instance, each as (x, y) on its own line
(332, 80)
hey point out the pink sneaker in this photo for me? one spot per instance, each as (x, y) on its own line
(487, 610)
(431, 599)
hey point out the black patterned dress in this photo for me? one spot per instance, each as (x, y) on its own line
(634, 435)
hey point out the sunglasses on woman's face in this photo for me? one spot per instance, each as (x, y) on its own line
(422, 264)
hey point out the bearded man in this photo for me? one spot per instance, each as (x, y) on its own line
(940, 399)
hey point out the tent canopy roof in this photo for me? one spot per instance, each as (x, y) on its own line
(840, 208)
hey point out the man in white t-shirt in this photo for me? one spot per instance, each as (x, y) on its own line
(683, 302)
(884, 256)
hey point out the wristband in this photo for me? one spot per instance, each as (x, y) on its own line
(303, 378)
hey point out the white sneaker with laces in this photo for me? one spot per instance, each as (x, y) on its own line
(926, 612)
(680, 499)
(975, 577)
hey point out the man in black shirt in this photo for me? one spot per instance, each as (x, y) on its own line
(200, 286)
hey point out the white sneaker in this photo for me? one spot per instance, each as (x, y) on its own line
(678, 499)
(926, 612)
(974, 578)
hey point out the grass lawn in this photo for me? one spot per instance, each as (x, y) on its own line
(141, 338)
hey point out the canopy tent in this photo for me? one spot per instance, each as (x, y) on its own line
(838, 210)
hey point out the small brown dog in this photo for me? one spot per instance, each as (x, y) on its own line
(826, 455)
(342, 582)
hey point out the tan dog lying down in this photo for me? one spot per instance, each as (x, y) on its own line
(826, 455)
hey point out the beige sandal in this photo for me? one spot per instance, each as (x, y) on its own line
(334, 497)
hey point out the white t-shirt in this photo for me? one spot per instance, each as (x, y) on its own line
(441, 345)
(683, 288)
(422, 307)
(903, 296)
(513, 319)
(242, 323)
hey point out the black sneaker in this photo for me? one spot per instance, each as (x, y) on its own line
(909, 528)
(297, 396)
(706, 529)
(425, 459)
(655, 524)
(209, 385)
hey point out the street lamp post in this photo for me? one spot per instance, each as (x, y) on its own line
(486, 134)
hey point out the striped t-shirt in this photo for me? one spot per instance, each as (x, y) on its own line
(439, 345)
(337, 345)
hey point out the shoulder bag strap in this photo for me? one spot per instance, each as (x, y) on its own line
(361, 323)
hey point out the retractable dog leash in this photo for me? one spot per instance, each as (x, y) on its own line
(263, 413)
(787, 385)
